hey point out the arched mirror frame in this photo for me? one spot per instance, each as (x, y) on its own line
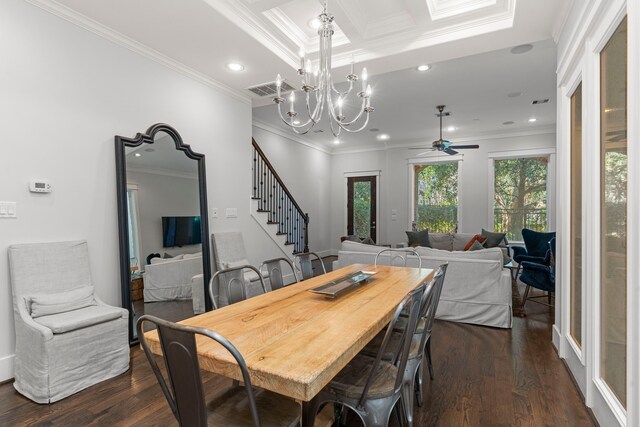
(123, 221)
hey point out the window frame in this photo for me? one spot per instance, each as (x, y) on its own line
(411, 163)
(519, 154)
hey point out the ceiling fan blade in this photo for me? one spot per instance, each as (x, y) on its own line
(448, 150)
(421, 148)
(463, 147)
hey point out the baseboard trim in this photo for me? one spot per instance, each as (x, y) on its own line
(556, 338)
(6, 368)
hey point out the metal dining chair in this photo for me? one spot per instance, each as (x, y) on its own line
(398, 253)
(305, 264)
(274, 272)
(240, 405)
(371, 386)
(233, 283)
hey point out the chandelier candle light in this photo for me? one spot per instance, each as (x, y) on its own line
(318, 82)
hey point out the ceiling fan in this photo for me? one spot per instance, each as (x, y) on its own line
(442, 144)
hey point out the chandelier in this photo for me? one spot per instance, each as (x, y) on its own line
(318, 89)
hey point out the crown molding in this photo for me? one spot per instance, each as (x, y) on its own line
(561, 20)
(110, 34)
(439, 9)
(292, 137)
(236, 12)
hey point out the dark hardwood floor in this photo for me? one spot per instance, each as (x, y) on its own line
(483, 377)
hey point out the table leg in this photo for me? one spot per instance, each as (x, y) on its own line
(308, 412)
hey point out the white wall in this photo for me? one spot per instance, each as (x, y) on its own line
(306, 172)
(163, 195)
(395, 191)
(65, 93)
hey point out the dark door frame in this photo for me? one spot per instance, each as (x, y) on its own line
(373, 179)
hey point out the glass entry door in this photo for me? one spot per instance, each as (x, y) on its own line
(361, 206)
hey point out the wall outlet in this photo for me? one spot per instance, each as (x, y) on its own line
(8, 209)
(214, 212)
(231, 213)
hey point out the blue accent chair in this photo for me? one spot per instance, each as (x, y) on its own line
(540, 276)
(536, 248)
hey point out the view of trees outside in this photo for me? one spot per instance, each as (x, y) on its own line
(520, 195)
(436, 197)
(362, 208)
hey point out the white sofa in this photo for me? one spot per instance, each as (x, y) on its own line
(167, 279)
(477, 288)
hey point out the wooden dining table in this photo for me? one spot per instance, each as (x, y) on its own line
(295, 341)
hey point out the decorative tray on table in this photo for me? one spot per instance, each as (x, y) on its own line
(343, 284)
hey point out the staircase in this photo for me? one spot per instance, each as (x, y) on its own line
(275, 209)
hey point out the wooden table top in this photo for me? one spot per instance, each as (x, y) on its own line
(294, 341)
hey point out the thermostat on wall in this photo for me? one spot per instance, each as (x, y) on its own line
(39, 187)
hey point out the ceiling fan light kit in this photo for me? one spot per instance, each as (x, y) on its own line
(442, 144)
(317, 84)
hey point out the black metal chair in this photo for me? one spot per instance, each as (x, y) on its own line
(371, 386)
(540, 276)
(399, 253)
(305, 264)
(274, 272)
(232, 281)
(238, 406)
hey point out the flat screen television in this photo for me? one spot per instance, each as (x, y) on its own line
(180, 231)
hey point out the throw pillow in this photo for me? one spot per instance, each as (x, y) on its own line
(166, 256)
(476, 238)
(418, 238)
(493, 239)
(61, 302)
(476, 246)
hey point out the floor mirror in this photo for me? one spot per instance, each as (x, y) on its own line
(162, 219)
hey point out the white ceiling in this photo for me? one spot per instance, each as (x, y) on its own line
(200, 37)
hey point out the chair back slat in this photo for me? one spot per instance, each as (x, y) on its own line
(274, 272)
(305, 264)
(232, 282)
(398, 254)
(179, 352)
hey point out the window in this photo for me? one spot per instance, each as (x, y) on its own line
(520, 195)
(361, 206)
(435, 197)
(576, 216)
(613, 213)
(132, 216)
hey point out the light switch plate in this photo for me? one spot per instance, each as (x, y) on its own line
(8, 209)
(231, 213)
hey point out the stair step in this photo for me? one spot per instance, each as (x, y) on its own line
(281, 234)
(289, 243)
(272, 222)
(262, 210)
(255, 198)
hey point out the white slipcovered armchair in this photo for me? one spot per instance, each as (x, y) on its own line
(66, 338)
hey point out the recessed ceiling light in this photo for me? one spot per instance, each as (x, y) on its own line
(532, 119)
(296, 122)
(451, 128)
(234, 66)
(138, 155)
(336, 141)
(315, 23)
(383, 137)
(476, 119)
(523, 48)
(423, 67)
(514, 94)
(507, 123)
(149, 150)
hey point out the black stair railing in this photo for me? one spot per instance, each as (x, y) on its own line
(275, 199)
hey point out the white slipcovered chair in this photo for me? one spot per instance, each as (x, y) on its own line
(229, 252)
(66, 338)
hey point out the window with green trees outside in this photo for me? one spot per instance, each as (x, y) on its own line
(436, 197)
(520, 195)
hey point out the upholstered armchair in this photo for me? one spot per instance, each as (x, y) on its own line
(540, 276)
(536, 248)
(67, 339)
